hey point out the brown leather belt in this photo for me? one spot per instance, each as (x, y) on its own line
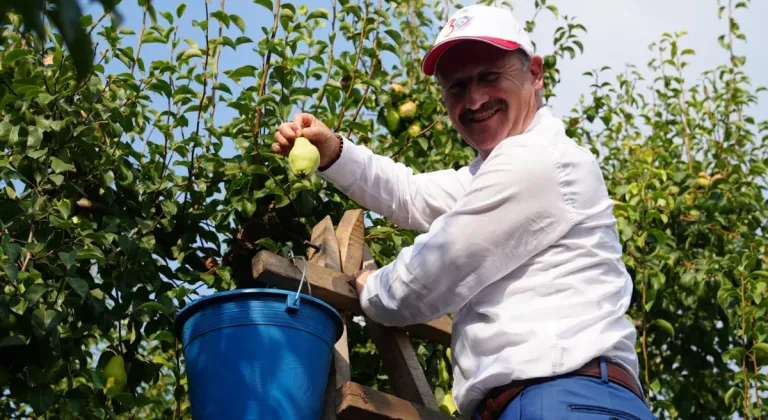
(494, 404)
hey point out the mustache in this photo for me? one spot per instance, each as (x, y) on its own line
(467, 115)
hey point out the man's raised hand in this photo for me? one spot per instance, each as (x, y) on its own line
(306, 125)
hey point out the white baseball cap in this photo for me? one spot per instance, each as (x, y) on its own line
(494, 25)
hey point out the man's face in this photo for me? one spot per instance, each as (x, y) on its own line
(488, 92)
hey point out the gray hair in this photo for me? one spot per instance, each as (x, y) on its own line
(525, 60)
(523, 57)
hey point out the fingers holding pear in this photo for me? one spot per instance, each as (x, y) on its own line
(284, 138)
(313, 130)
(281, 145)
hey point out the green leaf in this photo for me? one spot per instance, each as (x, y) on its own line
(41, 398)
(12, 271)
(761, 348)
(759, 273)
(265, 3)
(192, 52)
(180, 9)
(238, 21)
(68, 258)
(97, 376)
(35, 137)
(35, 291)
(656, 385)
(165, 336)
(65, 208)
(666, 326)
(169, 207)
(153, 306)
(11, 250)
(168, 16)
(244, 71)
(45, 320)
(79, 285)
(59, 165)
(732, 394)
(319, 14)
(57, 179)
(109, 178)
(734, 353)
(12, 340)
(221, 17)
(152, 38)
(13, 55)
(44, 98)
(5, 130)
(552, 8)
(18, 305)
(14, 136)
(36, 154)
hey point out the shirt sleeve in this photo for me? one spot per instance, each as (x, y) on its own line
(391, 189)
(516, 206)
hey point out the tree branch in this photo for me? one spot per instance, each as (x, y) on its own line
(354, 69)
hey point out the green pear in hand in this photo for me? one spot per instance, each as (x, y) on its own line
(304, 158)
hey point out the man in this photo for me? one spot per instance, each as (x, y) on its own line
(521, 245)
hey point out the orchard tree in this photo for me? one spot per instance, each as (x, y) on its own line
(118, 205)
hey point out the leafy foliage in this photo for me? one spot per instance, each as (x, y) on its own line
(119, 205)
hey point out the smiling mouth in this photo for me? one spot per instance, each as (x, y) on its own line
(485, 113)
(482, 116)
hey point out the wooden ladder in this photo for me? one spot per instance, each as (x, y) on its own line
(331, 267)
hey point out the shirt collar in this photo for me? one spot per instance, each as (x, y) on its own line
(543, 112)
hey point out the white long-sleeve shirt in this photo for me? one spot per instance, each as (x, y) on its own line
(522, 247)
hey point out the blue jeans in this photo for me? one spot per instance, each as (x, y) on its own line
(577, 398)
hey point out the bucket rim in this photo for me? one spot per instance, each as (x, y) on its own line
(186, 312)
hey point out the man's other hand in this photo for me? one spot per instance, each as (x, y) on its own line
(361, 277)
(306, 125)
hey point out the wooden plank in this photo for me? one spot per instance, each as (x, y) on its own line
(351, 234)
(399, 358)
(438, 330)
(401, 364)
(324, 236)
(330, 286)
(368, 262)
(339, 374)
(361, 402)
(334, 288)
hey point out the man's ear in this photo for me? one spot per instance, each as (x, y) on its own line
(536, 70)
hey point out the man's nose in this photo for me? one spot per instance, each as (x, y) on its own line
(475, 96)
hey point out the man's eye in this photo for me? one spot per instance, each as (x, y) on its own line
(493, 75)
(456, 87)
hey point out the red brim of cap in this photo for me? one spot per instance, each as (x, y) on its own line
(433, 55)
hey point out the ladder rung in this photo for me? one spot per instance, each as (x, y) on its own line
(361, 402)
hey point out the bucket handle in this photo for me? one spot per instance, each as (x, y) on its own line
(293, 306)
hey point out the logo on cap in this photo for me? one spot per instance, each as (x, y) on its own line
(457, 24)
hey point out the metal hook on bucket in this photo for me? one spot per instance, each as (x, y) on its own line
(303, 276)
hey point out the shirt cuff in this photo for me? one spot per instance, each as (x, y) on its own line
(346, 170)
(370, 299)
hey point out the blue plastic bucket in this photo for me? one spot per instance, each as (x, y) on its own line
(258, 354)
